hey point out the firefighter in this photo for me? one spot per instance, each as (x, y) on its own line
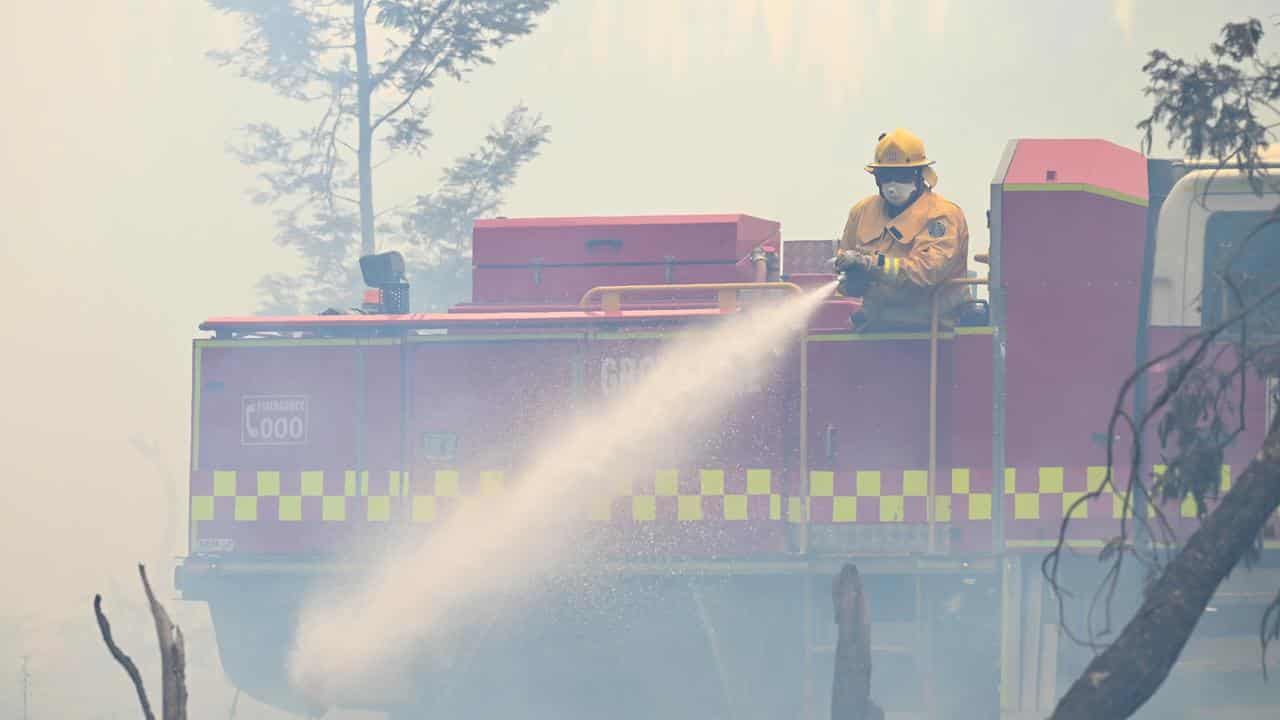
(903, 243)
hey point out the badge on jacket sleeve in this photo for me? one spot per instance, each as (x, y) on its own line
(937, 227)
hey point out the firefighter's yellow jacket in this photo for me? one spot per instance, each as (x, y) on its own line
(925, 245)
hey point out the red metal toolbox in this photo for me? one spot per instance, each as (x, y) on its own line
(556, 260)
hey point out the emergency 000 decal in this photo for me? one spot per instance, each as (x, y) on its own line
(273, 420)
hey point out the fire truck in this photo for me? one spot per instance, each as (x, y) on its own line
(940, 461)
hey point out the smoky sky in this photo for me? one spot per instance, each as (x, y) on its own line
(125, 221)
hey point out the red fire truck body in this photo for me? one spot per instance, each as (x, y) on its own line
(941, 462)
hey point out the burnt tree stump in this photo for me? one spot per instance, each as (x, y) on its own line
(851, 687)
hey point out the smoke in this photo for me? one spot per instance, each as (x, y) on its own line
(835, 46)
(936, 16)
(778, 16)
(1123, 11)
(829, 39)
(885, 13)
(601, 25)
(486, 557)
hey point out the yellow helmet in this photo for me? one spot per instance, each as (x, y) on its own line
(902, 149)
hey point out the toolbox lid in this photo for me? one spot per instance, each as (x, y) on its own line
(628, 239)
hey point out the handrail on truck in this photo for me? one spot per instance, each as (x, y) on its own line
(726, 293)
(934, 299)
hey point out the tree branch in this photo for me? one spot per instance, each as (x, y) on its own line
(426, 74)
(1127, 673)
(1050, 565)
(394, 209)
(423, 31)
(173, 659)
(331, 156)
(1270, 629)
(125, 661)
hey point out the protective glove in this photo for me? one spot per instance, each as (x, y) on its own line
(850, 258)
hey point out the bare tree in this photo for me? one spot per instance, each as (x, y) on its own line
(368, 67)
(1216, 108)
(172, 657)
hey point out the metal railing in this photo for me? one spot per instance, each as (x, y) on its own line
(935, 297)
(726, 293)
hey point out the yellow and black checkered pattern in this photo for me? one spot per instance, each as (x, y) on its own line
(872, 501)
(977, 506)
(1044, 493)
(1055, 492)
(669, 496)
(445, 489)
(1188, 507)
(245, 493)
(889, 507)
(1050, 489)
(703, 495)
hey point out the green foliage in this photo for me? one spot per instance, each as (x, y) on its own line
(436, 231)
(1194, 434)
(309, 51)
(1222, 111)
(1216, 107)
(1223, 108)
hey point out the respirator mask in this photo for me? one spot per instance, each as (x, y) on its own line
(898, 185)
(897, 194)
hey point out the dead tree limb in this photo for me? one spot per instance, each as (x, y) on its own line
(125, 661)
(1129, 671)
(851, 687)
(173, 660)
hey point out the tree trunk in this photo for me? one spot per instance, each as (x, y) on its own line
(1127, 673)
(851, 686)
(364, 148)
(125, 661)
(173, 658)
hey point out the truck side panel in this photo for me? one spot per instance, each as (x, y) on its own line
(1072, 256)
(393, 434)
(869, 443)
(721, 495)
(291, 439)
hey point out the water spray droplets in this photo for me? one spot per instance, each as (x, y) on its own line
(486, 560)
